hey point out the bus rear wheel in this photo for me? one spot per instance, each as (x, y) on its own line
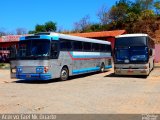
(102, 68)
(153, 65)
(64, 74)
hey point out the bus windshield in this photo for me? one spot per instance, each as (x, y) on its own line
(132, 54)
(131, 41)
(35, 48)
(139, 54)
(131, 49)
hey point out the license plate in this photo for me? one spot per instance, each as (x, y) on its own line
(130, 71)
(126, 61)
(28, 76)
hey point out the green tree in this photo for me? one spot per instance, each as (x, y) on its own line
(118, 14)
(145, 4)
(147, 14)
(95, 27)
(31, 32)
(136, 8)
(50, 26)
(40, 28)
(46, 27)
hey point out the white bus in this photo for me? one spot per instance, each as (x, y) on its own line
(45, 56)
(134, 54)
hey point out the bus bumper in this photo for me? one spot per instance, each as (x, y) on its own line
(131, 72)
(131, 69)
(34, 76)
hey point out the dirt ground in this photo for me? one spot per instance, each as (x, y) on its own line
(91, 93)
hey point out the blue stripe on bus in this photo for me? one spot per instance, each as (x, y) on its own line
(85, 70)
(108, 67)
(89, 56)
(42, 37)
(34, 76)
(45, 37)
(55, 38)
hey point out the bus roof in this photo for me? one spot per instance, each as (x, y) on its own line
(132, 35)
(69, 37)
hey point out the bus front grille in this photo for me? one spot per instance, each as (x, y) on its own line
(29, 69)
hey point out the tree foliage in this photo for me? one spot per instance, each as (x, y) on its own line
(46, 27)
(50, 26)
(134, 16)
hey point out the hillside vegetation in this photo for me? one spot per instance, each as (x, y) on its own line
(140, 16)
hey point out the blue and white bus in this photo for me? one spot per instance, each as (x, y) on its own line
(134, 54)
(45, 56)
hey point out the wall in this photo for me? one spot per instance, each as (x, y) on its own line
(112, 40)
(157, 53)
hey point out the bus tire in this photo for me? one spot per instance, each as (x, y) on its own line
(64, 74)
(153, 65)
(102, 68)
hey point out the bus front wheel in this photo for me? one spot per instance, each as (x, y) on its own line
(64, 74)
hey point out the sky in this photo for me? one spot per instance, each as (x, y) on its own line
(27, 13)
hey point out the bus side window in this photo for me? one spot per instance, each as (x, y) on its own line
(77, 45)
(102, 47)
(66, 45)
(95, 47)
(54, 49)
(87, 46)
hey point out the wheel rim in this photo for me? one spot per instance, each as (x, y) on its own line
(102, 68)
(64, 74)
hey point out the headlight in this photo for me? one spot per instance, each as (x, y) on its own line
(39, 70)
(42, 69)
(19, 69)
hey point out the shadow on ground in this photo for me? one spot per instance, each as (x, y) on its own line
(56, 80)
(126, 76)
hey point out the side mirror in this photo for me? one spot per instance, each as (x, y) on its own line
(54, 50)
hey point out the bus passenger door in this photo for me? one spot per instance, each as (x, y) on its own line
(54, 55)
(54, 50)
